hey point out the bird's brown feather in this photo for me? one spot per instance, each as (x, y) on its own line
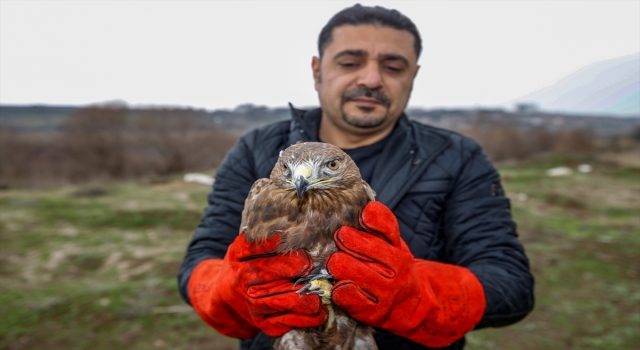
(313, 219)
(309, 223)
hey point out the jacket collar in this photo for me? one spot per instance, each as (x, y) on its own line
(403, 160)
(304, 125)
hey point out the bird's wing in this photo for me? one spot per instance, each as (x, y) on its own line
(249, 203)
(370, 192)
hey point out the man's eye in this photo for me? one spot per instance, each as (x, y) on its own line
(348, 64)
(395, 69)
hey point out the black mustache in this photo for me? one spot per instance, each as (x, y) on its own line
(377, 95)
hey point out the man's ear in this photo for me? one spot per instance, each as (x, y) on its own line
(315, 67)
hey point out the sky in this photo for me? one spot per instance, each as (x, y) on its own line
(221, 54)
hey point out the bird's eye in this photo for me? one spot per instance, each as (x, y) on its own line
(284, 167)
(333, 165)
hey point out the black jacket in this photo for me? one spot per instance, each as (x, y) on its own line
(441, 186)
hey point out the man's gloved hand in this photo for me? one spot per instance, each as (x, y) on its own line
(381, 284)
(252, 290)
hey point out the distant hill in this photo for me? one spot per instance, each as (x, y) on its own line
(34, 117)
(50, 119)
(45, 118)
(606, 87)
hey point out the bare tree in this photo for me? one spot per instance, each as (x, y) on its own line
(93, 139)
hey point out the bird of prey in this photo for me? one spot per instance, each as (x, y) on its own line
(313, 190)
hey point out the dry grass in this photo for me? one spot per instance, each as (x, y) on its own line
(98, 270)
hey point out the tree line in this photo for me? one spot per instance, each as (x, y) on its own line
(114, 142)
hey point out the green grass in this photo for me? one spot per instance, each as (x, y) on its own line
(582, 235)
(97, 269)
(98, 216)
(99, 272)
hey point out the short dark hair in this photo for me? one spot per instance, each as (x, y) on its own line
(359, 15)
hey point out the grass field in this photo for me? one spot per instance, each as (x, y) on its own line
(82, 268)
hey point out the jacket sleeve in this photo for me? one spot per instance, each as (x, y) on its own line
(481, 236)
(221, 219)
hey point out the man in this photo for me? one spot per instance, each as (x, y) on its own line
(459, 264)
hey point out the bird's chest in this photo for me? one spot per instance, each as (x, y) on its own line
(313, 230)
(321, 251)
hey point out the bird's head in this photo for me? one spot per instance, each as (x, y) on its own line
(314, 166)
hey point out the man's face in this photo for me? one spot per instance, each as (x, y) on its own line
(365, 77)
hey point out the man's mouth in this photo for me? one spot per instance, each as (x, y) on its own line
(364, 102)
(366, 98)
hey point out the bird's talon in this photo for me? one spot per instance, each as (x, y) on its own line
(324, 274)
(321, 276)
(317, 284)
(305, 288)
(300, 280)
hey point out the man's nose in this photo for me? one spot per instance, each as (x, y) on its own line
(370, 76)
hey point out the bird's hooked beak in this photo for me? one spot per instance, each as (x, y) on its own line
(301, 177)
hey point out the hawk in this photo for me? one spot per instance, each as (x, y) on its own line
(313, 190)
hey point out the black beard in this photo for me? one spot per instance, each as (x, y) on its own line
(369, 93)
(363, 123)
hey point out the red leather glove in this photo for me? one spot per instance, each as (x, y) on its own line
(252, 289)
(381, 284)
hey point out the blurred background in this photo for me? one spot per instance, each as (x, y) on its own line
(114, 116)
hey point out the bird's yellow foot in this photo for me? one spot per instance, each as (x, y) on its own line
(317, 284)
(320, 284)
(322, 287)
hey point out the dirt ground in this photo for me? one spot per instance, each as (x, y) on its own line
(97, 269)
